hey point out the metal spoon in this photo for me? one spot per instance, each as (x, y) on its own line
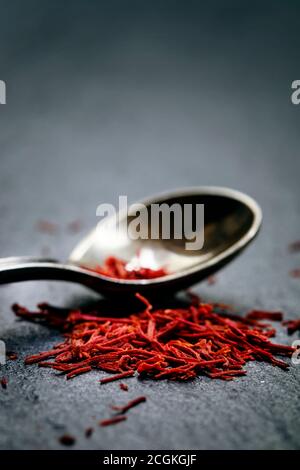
(232, 220)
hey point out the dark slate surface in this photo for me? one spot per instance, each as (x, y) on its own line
(106, 100)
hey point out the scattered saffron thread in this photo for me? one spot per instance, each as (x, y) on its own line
(75, 226)
(294, 247)
(264, 315)
(11, 356)
(4, 383)
(45, 226)
(131, 404)
(111, 421)
(292, 326)
(89, 432)
(113, 378)
(295, 273)
(211, 280)
(123, 387)
(67, 440)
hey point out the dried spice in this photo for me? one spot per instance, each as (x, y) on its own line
(264, 315)
(12, 356)
(4, 383)
(211, 280)
(295, 273)
(118, 269)
(174, 343)
(112, 378)
(67, 440)
(131, 404)
(123, 387)
(111, 421)
(294, 247)
(292, 326)
(89, 432)
(44, 226)
(75, 226)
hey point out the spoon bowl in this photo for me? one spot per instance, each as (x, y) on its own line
(231, 221)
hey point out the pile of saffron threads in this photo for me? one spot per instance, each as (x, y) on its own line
(173, 343)
(117, 268)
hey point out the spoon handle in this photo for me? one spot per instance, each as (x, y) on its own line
(16, 269)
(16, 260)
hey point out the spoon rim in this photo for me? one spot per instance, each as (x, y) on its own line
(190, 191)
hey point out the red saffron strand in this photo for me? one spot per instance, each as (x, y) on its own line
(123, 387)
(294, 247)
(211, 280)
(264, 315)
(4, 383)
(12, 356)
(89, 432)
(80, 370)
(67, 440)
(112, 378)
(295, 273)
(292, 326)
(144, 300)
(112, 421)
(131, 404)
(45, 226)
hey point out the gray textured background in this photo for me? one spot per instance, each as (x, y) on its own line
(106, 99)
